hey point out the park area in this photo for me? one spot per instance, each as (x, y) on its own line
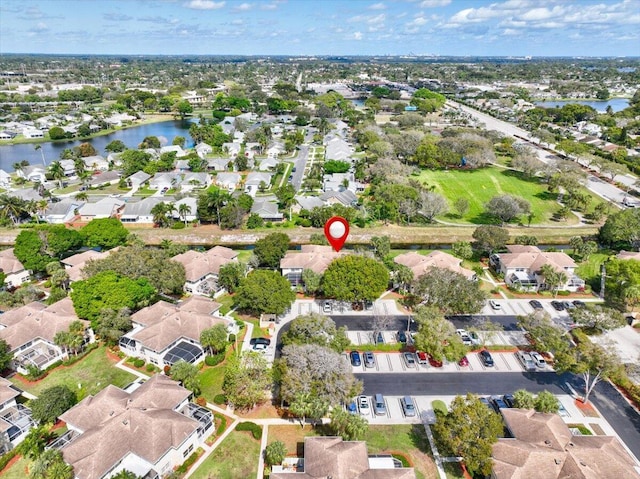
(86, 377)
(480, 185)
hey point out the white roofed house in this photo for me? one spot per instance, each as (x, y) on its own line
(338, 149)
(190, 211)
(15, 274)
(140, 212)
(232, 148)
(173, 148)
(306, 203)
(522, 265)
(62, 212)
(182, 165)
(166, 333)
(345, 198)
(202, 149)
(96, 163)
(147, 430)
(202, 268)
(317, 258)
(69, 167)
(104, 208)
(194, 180)
(15, 418)
(138, 179)
(5, 179)
(228, 180)
(267, 210)
(219, 164)
(254, 180)
(164, 180)
(268, 164)
(34, 173)
(30, 331)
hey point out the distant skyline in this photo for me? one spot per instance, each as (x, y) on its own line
(322, 27)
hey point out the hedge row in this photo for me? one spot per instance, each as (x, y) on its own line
(255, 430)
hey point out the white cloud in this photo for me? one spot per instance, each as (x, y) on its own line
(510, 32)
(204, 5)
(357, 36)
(244, 7)
(418, 21)
(377, 6)
(434, 3)
(41, 27)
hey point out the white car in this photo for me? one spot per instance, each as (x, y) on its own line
(364, 405)
(539, 360)
(260, 347)
(494, 304)
(327, 307)
(466, 338)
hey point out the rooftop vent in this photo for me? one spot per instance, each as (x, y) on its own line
(557, 461)
(547, 442)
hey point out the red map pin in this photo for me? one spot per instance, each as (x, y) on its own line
(336, 230)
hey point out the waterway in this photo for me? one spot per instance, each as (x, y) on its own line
(617, 104)
(166, 131)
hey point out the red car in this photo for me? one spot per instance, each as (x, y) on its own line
(434, 363)
(464, 362)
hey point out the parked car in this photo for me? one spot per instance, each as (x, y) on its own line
(260, 347)
(354, 356)
(402, 336)
(508, 399)
(466, 339)
(380, 338)
(526, 360)
(409, 359)
(486, 358)
(494, 304)
(486, 402)
(423, 357)
(379, 406)
(475, 339)
(369, 360)
(364, 405)
(408, 407)
(352, 408)
(498, 403)
(568, 305)
(539, 360)
(434, 362)
(535, 304)
(326, 307)
(579, 304)
(557, 305)
(255, 341)
(464, 362)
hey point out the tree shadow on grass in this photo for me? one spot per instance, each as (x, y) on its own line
(419, 438)
(546, 195)
(521, 176)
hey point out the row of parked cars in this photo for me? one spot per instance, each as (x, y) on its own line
(531, 360)
(559, 305)
(364, 406)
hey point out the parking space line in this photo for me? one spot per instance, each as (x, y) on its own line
(389, 362)
(504, 360)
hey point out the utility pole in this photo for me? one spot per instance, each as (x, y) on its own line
(603, 275)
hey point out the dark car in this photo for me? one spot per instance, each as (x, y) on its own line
(380, 338)
(535, 304)
(402, 336)
(265, 341)
(486, 402)
(508, 399)
(557, 305)
(354, 356)
(369, 359)
(579, 304)
(486, 358)
(498, 403)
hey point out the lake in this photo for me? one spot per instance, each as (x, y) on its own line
(617, 104)
(132, 137)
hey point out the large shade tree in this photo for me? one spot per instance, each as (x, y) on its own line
(355, 278)
(449, 291)
(264, 291)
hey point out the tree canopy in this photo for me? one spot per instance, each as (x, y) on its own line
(104, 233)
(355, 278)
(246, 379)
(489, 238)
(436, 336)
(450, 291)
(271, 249)
(621, 229)
(316, 329)
(51, 403)
(263, 291)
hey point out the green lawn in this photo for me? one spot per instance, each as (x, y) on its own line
(88, 376)
(211, 381)
(235, 458)
(479, 186)
(453, 470)
(590, 270)
(17, 470)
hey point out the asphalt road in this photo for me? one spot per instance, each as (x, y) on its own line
(396, 323)
(300, 162)
(622, 417)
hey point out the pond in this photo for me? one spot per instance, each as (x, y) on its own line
(617, 104)
(166, 131)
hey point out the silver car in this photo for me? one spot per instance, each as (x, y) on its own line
(409, 360)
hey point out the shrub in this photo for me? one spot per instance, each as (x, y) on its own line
(215, 359)
(564, 293)
(178, 225)
(256, 431)
(275, 453)
(439, 405)
(150, 368)
(400, 457)
(219, 399)
(138, 363)
(201, 401)
(184, 467)
(222, 425)
(4, 460)
(232, 338)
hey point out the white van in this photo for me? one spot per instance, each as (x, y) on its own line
(526, 360)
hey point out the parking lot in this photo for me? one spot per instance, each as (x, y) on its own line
(395, 363)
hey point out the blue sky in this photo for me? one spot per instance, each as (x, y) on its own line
(322, 27)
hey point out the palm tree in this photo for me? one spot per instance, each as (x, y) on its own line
(184, 210)
(553, 279)
(39, 147)
(12, 207)
(57, 172)
(81, 196)
(159, 213)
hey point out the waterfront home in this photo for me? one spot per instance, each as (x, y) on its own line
(61, 212)
(191, 213)
(13, 269)
(419, 264)
(166, 333)
(5, 179)
(202, 149)
(103, 208)
(202, 268)
(317, 258)
(148, 430)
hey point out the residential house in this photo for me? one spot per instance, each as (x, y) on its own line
(275, 149)
(254, 180)
(191, 213)
(140, 211)
(74, 264)
(177, 149)
(268, 164)
(182, 166)
(317, 258)
(306, 203)
(251, 148)
(543, 446)
(341, 182)
(7, 135)
(15, 274)
(33, 133)
(105, 178)
(191, 181)
(338, 149)
(202, 149)
(30, 331)
(202, 268)
(331, 457)
(164, 180)
(118, 119)
(166, 333)
(147, 430)
(5, 179)
(232, 148)
(522, 265)
(103, 208)
(219, 164)
(69, 167)
(419, 264)
(33, 173)
(96, 163)
(629, 255)
(61, 212)
(228, 181)
(228, 126)
(138, 179)
(15, 419)
(345, 198)
(26, 194)
(267, 210)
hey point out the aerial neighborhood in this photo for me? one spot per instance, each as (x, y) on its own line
(172, 304)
